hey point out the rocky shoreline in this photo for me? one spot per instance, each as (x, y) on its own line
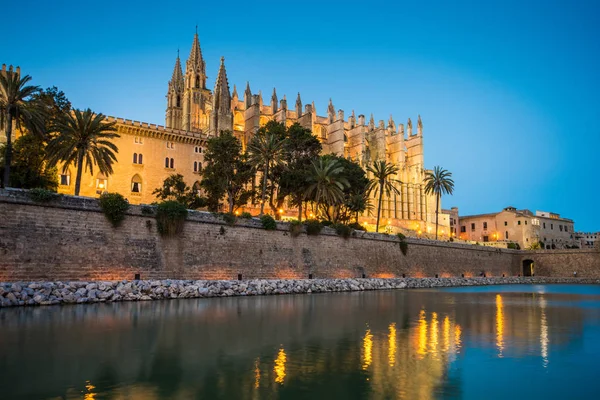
(51, 293)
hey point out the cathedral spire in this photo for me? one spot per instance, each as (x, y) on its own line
(195, 68)
(248, 95)
(298, 106)
(274, 101)
(221, 95)
(176, 82)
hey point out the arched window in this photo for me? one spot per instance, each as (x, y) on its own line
(195, 166)
(136, 184)
(178, 101)
(197, 81)
(135, 158)
(196, 188)
(101, 183)
(167, 162)
(172, 163)
(140, 161)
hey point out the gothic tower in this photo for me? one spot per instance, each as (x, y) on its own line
(174, 97)
(196, 97)
(221, 117)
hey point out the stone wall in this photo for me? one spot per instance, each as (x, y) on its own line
(70, 239)
(585, 262)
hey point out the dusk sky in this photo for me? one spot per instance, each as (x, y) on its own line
(508, 91)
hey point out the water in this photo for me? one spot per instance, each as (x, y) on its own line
(518, 342)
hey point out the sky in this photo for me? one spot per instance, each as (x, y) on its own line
(508, 91)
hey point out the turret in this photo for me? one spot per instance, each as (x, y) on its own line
(331, 112)
(274, 102)
(298, 106)
(221, 117)
(174, 97)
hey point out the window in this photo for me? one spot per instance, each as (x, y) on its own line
(196, 187)
(167, 162)
(140, 161)
(135, 158)
(136, 184)
(560, 227)
(506, 234)
(486, 238)
(172, 163)
(178, 101)
(65, 179)
(101, 183)
(473, 226)
(197, 81)
(485, 227)
(197, 149)
(525, 222)
(195, 166)
(544, 225)
(518, 222)
(551, 226)
(138, 140)
(463, 228)
(170, 145)
(505, 223)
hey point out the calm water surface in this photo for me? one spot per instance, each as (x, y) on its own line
(517, 342)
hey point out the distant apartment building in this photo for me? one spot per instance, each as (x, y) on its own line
(520, 226)
(453, 220)
(587, 240)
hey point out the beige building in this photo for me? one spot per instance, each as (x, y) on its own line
(519, 226)
(149, 153)
(587, 240)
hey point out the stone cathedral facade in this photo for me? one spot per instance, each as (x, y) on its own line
(149, 153)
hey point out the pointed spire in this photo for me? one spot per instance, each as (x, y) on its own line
(274, 101)
(372, 122)
(177, 77)
(221, 96)
(247, 95)
(235, 93)
(331, 111)
(195, 62)
(298, 106)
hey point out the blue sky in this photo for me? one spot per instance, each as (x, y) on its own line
(507, 90)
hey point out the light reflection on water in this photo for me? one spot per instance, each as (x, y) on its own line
(490, 342)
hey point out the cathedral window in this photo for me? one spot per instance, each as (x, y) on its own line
(178, 101)
(197, 81)
(136, 184)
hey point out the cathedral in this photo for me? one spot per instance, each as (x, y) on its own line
(149, 153)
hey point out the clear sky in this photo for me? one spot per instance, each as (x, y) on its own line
(509, 91)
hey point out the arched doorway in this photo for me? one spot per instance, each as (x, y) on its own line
(528, 268)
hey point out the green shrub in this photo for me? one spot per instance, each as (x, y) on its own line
(313, 227)
(229, 218)
(268, 222)
(357, 227)
(147, 210)
(402, 243)
(42, 195)
(295, 227)
(514, 246)
(114, 207)
(170, 217)
(246, 215)
(342, 230)
(326, 223)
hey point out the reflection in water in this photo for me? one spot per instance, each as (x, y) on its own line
(280, 366)
(367, 349)
(544, 340)
(397, 344)
(392, 344)
(499, 325)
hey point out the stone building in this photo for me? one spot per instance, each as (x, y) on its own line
(519, 226)
(587, 240)
(149, 153)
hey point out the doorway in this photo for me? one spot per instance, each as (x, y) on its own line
(528, 268)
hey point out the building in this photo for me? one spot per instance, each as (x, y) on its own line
(587, 240)
(519, 226)
(453, 220)
(149, 153)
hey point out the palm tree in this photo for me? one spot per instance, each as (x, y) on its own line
(382, 181)
(438, 182)
(16, 107)
(326, 183)
(83, 136)
(265, 151)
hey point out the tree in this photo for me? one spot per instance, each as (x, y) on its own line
(326, 183)
(227, 172)
(356, 199)
(83, 136)
(174, 188)
(265, 151)
(382, 181)
(16, 108)
(51, 103)
(29, 167)
(438, 182)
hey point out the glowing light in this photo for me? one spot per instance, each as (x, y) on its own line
(367, 349)
(89, 387)
(280, 366)
(499, 325)
(422, 349)
(389, 221)
(101, 185)
(446, 330)
(392, 344)
(544, 338)
(457, 333)
(237, 213)
(433, 340)
(280, 211)
(419, 232)
(257, 373)
(428, 229)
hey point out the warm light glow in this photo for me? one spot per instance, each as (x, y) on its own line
(422, 350)
(457, 333)
(544, 338)
(280, 366)
(257, 373)
(392, 344)
(419, 232)
(428, 229)
(280, 211)
(367, 349)
(389, 221)
(237, 213)
(89, 395)
(101, 185)
(433, 344)
(499, 325)
(446, 334)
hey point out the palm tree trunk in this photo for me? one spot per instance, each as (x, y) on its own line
(300, 211)
(264, 189)
(79, 171)
(437, 205)
(379, 205)
(8, 150)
